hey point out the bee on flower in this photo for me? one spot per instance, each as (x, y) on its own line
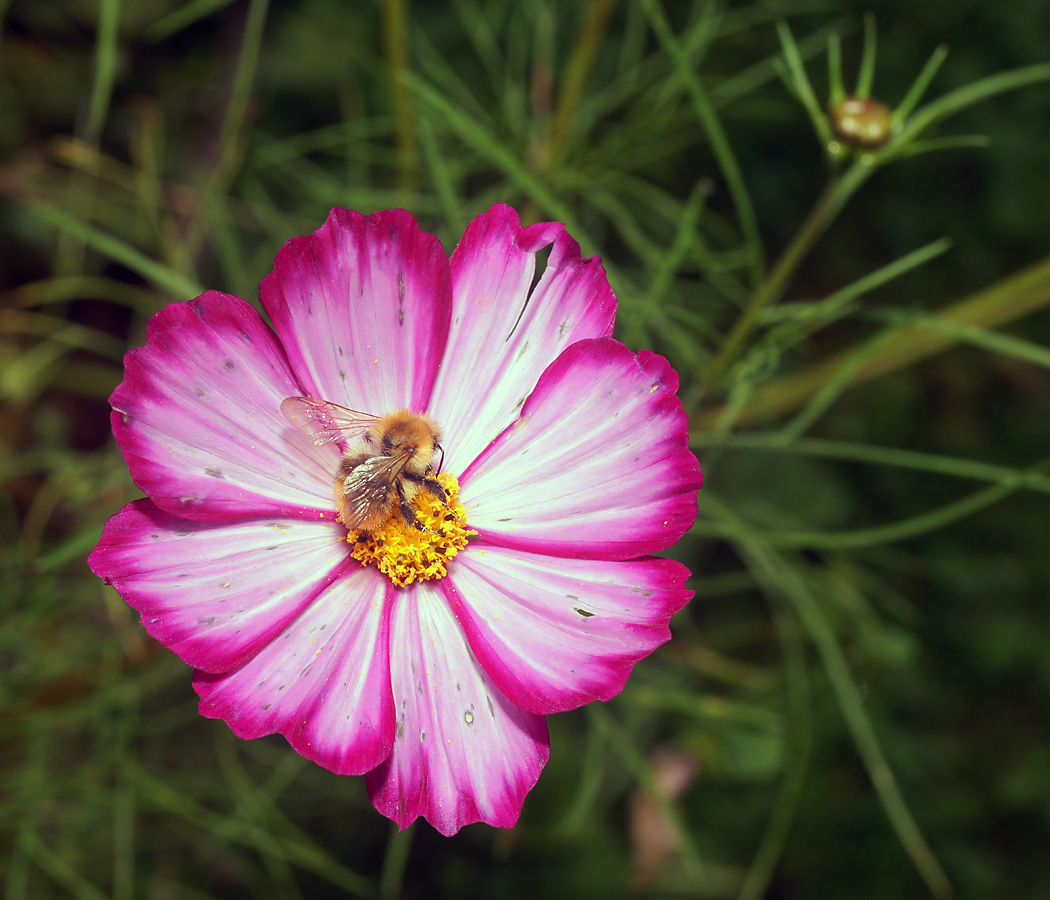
(412, 518)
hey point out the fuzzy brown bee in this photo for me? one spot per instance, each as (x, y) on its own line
(386, 461)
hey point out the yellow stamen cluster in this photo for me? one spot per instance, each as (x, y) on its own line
(406, 554)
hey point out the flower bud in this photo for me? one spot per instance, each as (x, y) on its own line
(861, 120)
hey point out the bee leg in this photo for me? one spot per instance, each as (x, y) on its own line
(431, 484)
(436, 488)
(407, 512)
(411, 519)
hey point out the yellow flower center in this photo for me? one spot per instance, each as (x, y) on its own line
(406, 554)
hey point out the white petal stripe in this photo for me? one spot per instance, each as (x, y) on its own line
(598, 464)
(324, 682)
(199, 421)
(555, 634)
(463, 752)
(505, 332)
(215, 593)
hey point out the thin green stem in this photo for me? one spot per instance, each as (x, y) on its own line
(578, 70)
(866, 537)
(59, 870)
(642, 772)
(441, 177)
(881, 456)
(166, 279)
(183, 17)
(80, 198)
(836, 88)
(395, 862)
(801, 84)
(786, 805)
(852, 705)
(395, 44)
(232, 125)
(867, 61)
(481, 141)
(921, 83)
(720, 146)
(298, 849)
(831, 390)
(954, 101)
(1009, 299)
(230, 143)
(773, 287)
(105, 68)
(778, 576)
(589, 783)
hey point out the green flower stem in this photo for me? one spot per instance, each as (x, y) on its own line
(163, 277)
(866, 75)
(588, 785)
(230, 143)
(577, 71)
(395, 861)
(781, 578)
(479, 139)
(881, 456)
(53, 865)
(864, 537)
(294, 847)
(801, 739)
(839, 190)
(801, 84)
(1003, 302)
(183, 17)
(918, 88)
(105, 68)
(602, 720)
(720, 145)
(836, 89)
(395, 45)
(827, 206)
(213, 198)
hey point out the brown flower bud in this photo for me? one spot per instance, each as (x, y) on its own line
(861, 120)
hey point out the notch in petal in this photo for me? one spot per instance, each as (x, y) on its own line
(507, 330)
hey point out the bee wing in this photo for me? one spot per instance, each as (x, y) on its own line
(323, 421)
(366, 490)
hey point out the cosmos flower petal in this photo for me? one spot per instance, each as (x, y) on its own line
(554, 637)
(597, 466)
(198, 417)
(215, 593)
(362, 308)
(505, 332)
(573, 463)
(463, 752)
(324, 682)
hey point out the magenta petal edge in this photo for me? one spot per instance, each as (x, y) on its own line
(424, 661)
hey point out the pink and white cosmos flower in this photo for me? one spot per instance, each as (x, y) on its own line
(571, 452)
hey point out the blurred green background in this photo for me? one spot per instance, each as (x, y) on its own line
(856, 702)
